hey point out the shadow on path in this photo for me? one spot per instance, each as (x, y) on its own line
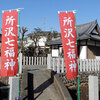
(30, 87)
(44, 85)
(28, 80)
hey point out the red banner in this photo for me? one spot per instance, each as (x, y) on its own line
(68, 34)
(9, 47)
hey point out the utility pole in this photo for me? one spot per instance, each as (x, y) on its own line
(44, 23)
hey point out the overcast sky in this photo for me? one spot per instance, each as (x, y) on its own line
(44, 13)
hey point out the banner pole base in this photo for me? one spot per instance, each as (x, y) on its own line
(78, 88)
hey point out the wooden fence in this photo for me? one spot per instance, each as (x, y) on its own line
(84, 65)
(89, 65)
(57, 64)
(34, 61)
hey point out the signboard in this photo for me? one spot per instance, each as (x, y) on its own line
(68, 34)
(55, 52)
(9, 47)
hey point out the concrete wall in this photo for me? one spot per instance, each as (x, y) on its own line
(60, 87)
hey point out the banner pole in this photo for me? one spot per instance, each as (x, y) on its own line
(19, 50)
(78, 85)
(78, 88)
(12, 9)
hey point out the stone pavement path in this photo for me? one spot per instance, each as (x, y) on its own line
(43, 86)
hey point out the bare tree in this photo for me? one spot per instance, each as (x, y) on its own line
(23, 30)
(37, 34)
(51, 35)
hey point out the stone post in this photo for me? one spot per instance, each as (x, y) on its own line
(93, 88)
(14, 85)
(20, 65)
(49, 61)
(58, 65)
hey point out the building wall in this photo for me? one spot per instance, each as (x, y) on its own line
(41, 42)
(89, 52)
(83, 52)
(93, 52)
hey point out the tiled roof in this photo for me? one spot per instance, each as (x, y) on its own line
(84, 32)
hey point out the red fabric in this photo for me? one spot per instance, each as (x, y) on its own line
(68, 34)
(9, 47)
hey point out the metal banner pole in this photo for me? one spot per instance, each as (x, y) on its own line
(78, 88)
(18, 49)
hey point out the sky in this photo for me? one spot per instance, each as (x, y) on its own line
(44, 13)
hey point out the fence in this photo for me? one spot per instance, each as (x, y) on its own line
(57, 64)
(85, 65)
(89, 65)
(34, 61)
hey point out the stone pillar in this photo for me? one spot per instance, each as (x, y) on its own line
(24, 85)
(49, 61)
(20, 65)
(93, 88)
(58, 65)
(14, 85)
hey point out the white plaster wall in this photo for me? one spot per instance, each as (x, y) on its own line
(83, 52)
(97, 57)
(55, 52)
(42, 41)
